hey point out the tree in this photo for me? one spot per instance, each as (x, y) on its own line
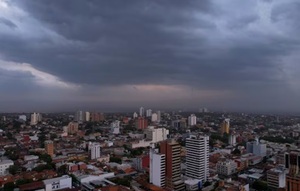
(46, 158)
(115, 159)
(260, 186)
(10, 186)
(236, 152)
(13, 169)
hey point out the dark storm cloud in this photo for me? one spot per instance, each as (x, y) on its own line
(200, 44)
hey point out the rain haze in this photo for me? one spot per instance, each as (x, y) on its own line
(117, 55)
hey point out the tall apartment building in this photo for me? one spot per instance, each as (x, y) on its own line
(172, 150)
(35, 118)
(225, 126)
(87, 116)
(148, 112)
(142, 112)
(49, 147)
(141, 123)
(157, 168)
(134, 115)
(73, 127)
(95, 150)
(257, 148)
(97, 117)
(192, 120)
(158, 116)
(154, 117)
(292, 163)
(79, 116)
(276, 177)
(197, 159)
(156, 134)
(232, 139)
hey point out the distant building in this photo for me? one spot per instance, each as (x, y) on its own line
(148, 112)
(58, 183)
(154, 117)
(157, 168)
(141, 123)
(97, 117)
(73, 127)
(197, 160)
(156, 134)
(276, 177)
(226, 167)
(4, 165)
(192, 120)
(257, 148)
(95, 150)
(135, 115)
(49, 147)
(79, 117)
(23, 117)
(115, 127)
(225, 126)
(158, 116)
(35, 118)
(142, 112)
(87, 116)
(232, 139)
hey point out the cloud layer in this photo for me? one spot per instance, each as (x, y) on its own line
(172, 54)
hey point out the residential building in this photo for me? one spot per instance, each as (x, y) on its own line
(192, 120)
(292, 183)
(4, 165)
(226, 167)
(23, 117)
(158, 116)
(79, 117)
(276, 177)
(232, 139)
(115, 127)
(73, 127)
(171, 149)
(157, 168)
(35, 118)
(97, 117)
(141, 123)
(135, 115)
(154, 117)
(87, 116)
(197, 159)
(94, 150)
(225, 126)
(142, 111)
(156, 134)
(148, 112)
(49, 147)
(257, 148)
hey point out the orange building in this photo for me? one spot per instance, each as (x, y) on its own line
(97, 117)
(141, 123)
(49, 147)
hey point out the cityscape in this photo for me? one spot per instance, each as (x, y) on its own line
(149, 95)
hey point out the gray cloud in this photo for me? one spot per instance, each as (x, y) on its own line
(199, 45)
(8, 23)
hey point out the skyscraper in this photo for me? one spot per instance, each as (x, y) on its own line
(148, 112)
(94, 150)
(192, 120)
(225, 125)
(197, 159)
(142, 111)
(87, 116)
(79, 116)
(154, 117)
(35, 118)
(141, 123)
(158, 116)
(292, 163)
(49, 147)
(135, 115)
(157, 168)
(172, 150)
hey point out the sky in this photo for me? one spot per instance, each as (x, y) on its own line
(119, 55)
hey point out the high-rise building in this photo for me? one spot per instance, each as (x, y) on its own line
(23, 117)
(172, 150)
(192, 120)
(79, 116)
(276, 177)
(257, 148)
(148, 112)
(49, 147)
(141, 123)
(225, 126)
(157, 168)
(156, 134)
(197, 159)
(135, 115)
(97, 117)
(142, 111)
(35, 118)
(154, 117)
(94, 150)
(158, 116)
(87, 116)
(73, 127)
(115, 127)
(232, 139)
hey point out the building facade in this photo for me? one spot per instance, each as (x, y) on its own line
(49, 147)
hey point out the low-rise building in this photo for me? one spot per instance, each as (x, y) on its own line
(226, 167)
(4, 165)
(276, 177)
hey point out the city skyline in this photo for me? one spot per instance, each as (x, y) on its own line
(94, 55)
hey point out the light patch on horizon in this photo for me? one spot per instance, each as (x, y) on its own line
(41, 78)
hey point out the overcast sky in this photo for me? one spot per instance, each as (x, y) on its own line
(115, 55)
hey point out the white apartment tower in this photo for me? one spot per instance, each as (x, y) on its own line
(157, 168)
(142, 111)
(158, 116)
(135, 115)
(87, 116)
(94, 150)
(154, 117)
(192, 120)
(197, 160)
(35, 118)
(148, 112)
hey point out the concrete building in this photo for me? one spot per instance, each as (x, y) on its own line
(156, 135)
(257, 148)
(148, 112)
(292, 183)
(135, 115)
(35, 118)
(232, 139)
(141, 123)
(23, 117)
(73, 127)
(172, 150)
(142, 112)
(154, 117)
(58, 183)
(192, 120)
(197, 159)
(157, 168)
(94, 150)
(87, 116)
(49, 147)
(79, 117)
(225, 126)
(97, 117)
(4, 165)
(226, 167)
(276, 177)
(158, 116)
(115, 127)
